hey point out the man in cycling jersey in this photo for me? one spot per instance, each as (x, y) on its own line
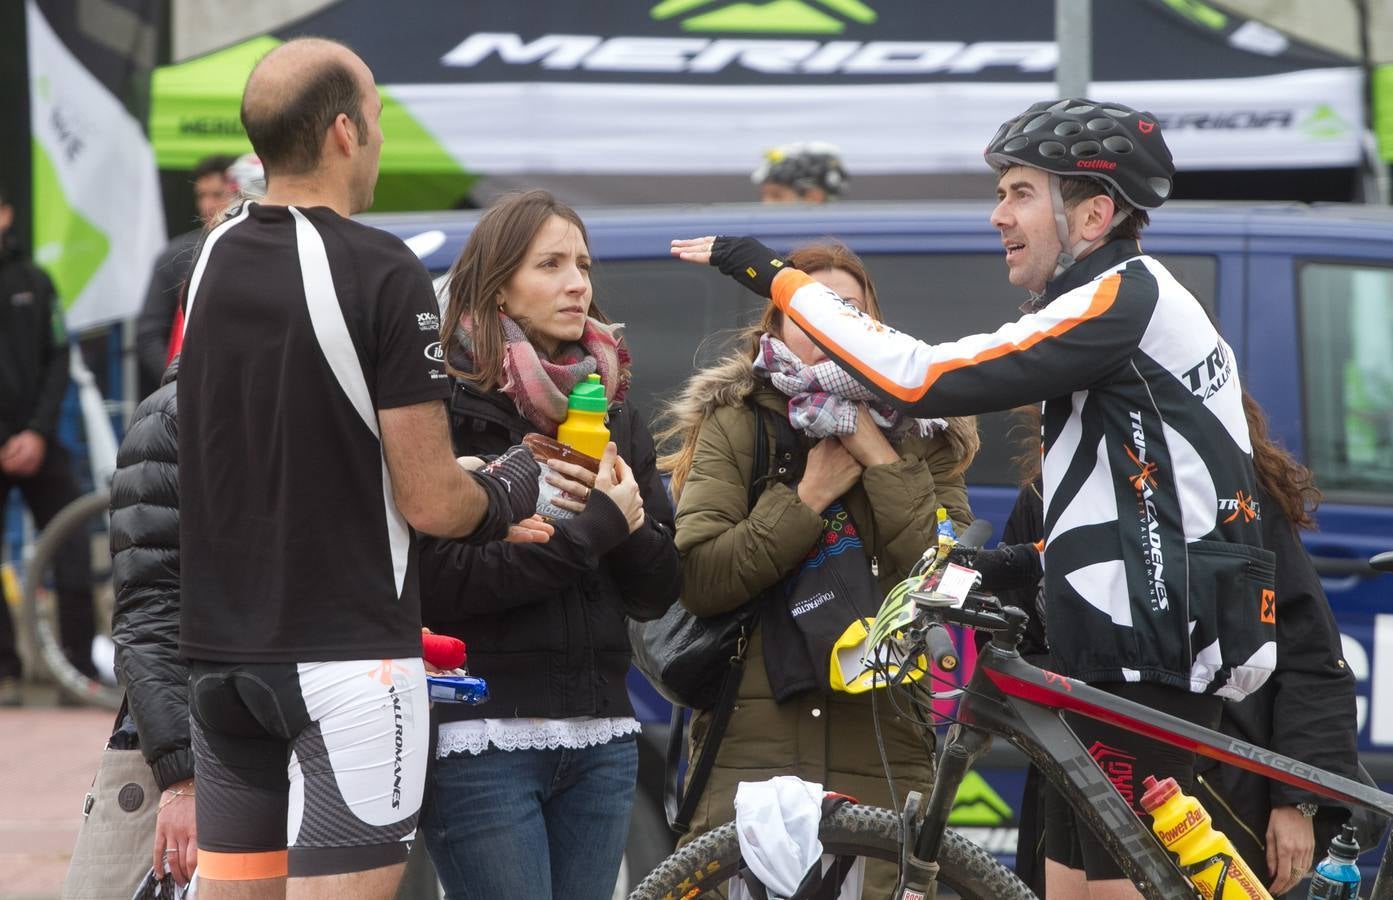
(312, 440)
(1158, 587)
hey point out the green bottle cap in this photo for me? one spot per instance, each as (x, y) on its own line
(589, 396)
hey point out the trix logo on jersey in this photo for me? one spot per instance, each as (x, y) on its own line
(1211, 373)
(1144, 483)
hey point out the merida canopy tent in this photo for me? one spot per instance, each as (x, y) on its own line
(635, 87)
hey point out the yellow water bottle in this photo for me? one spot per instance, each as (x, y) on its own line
(1206, 856)
(584, 429)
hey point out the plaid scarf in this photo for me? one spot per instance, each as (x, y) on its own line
(540, 387)
(822, 398)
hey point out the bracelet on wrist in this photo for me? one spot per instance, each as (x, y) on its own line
(172, 794)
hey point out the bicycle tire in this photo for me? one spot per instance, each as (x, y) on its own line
(76, 515)
(708, 862)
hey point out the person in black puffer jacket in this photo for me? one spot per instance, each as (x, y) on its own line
(530, 794)
(154, 716)
(145, 574)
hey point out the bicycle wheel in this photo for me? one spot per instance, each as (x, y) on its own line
(78, 517)
(707, 863)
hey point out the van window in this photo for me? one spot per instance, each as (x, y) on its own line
(677, 317)
(1347, 352)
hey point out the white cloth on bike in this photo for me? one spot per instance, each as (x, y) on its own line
(777, 823)
(475, 735)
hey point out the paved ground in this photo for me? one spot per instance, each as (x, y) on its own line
(49, 756)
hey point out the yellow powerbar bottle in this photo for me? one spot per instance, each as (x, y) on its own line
(1206, 856)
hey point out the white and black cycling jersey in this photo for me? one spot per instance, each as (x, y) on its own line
(301, 326)
(1154, 567)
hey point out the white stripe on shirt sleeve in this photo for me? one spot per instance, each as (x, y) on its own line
(335, 342)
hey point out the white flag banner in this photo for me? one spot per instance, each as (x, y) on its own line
(98, 214)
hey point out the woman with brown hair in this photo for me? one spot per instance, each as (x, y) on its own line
(888, 474)
(530, 794)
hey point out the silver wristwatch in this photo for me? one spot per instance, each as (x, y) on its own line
(1307, 809)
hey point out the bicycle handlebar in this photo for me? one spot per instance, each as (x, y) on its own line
(940, 647)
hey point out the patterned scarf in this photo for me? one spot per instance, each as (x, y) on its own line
(539, 387)
(822, 398)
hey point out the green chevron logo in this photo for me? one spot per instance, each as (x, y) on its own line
(770, 17)
(978, 804)
(1324, 123)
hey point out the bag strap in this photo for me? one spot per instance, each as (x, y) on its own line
(786, 465)
(680, 810)
(679, 801)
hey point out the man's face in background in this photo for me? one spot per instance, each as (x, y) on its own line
(211, 196)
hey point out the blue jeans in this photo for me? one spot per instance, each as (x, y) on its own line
(531, 823)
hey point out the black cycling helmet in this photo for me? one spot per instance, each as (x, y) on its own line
(1107, 141)
(803, 166)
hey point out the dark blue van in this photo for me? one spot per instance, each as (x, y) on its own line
(1303, 294)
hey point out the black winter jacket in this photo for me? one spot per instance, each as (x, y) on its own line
(1306, 710)
(145, 573)
(545, 623)
(33, 347)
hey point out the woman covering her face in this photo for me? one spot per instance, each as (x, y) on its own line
(884, 474)
(530, 794)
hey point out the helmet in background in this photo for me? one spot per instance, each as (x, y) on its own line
(803, 166)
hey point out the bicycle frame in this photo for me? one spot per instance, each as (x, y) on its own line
(1008, 696)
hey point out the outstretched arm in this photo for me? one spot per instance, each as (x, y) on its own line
(1070, 344)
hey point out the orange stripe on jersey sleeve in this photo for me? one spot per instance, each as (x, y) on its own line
(242, 866)
(786, 283)
(1103, 299)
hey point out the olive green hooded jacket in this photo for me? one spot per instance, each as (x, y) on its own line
(731, 553)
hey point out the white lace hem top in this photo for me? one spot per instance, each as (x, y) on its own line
(475, 735)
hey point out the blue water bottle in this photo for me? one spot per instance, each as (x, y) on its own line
(1337, 876)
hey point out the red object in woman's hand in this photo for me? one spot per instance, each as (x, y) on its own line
(442, 651)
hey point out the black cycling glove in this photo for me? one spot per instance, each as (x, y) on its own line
(511, 482)
(748, 262)
(1009, 566)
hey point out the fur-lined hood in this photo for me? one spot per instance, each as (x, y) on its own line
(733, 379)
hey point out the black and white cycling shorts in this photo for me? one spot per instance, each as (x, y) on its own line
(306, 769)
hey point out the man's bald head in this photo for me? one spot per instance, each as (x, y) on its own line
(293, 97)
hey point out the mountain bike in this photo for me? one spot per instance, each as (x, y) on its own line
(1009, 698)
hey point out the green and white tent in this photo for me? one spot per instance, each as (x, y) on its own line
(661, 87)
(195, 112)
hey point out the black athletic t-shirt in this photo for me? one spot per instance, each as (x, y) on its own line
(301, 324)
